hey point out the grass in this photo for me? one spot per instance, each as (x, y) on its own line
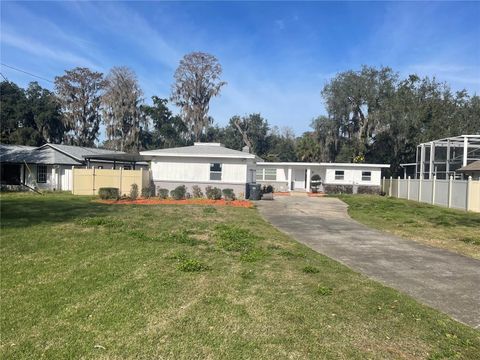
(449, 229)
(88, 280)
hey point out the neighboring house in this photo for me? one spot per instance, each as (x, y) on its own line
(472, 169)
(49, 167)
(296, 176)
(203, 164)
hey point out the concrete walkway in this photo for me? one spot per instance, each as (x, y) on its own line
(444, 280)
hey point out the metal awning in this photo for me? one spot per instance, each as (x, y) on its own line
(131, 158)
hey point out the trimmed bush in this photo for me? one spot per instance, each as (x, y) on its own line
(134, 191)
(364, 189)
(197, 192)
(163, 193)
(338, 189)
(149, 191)
(179, 192)
(315, 183)
(213, 193)
(228, 194)
(108, 193)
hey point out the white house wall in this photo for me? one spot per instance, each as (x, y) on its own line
(198, 170)
(353, 176)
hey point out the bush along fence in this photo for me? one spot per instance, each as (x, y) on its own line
(89, 181)
(457, 194)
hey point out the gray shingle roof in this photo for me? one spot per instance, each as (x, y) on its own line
(207, 150)
(49, 154)
(474, 166)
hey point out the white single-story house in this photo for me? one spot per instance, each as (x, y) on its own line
(211, 164)
(202, 164)
(49, 167)
(297, 176)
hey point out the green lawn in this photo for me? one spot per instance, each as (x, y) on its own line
(454, 230)
(87, 280)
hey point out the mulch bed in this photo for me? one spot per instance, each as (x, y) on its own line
(235, 203)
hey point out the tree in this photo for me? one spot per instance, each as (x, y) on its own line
(79, 93)
(197, 81)
(168, 130)
(29, 117)
(122, 113)
(281, 145)
(251, 130)
(46, 114)
(307, 148)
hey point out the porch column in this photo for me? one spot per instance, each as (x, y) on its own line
(289, 179)
(309, 175)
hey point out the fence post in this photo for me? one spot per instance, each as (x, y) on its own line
(433, 188)
(398, 187)
(390, 186)
(469, 187)
(73, 177)
(420, 189)
(408, 188)
(93, 180)
(450, 188)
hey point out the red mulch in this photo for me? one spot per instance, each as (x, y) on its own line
(235, 203)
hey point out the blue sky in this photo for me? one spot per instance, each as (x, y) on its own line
(276, 57)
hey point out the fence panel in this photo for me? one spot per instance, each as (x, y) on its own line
(83, 182)
(89, 181)
(426, 195)
(414, 185)
(403, 187)
(459, 194)
(441, 192)
(474, 196)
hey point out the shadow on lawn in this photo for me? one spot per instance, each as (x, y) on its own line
(23, 211)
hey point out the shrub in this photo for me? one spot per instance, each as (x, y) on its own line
(267, 189)
(134, 191)
(310, 270)
(228, 194)
(149, 191)
(213, 193)
(338, 189)
(163, 193)
(179, 192)
(364, 189)
(197, 192)
(109, 193)
(192, 265)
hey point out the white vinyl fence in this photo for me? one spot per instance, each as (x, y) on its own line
(457, 194)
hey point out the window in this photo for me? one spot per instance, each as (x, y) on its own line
(41, 173)
(267, 174)
(339, 174)
(366, 175)
(215, 171)
(270, 174)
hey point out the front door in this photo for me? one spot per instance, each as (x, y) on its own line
(299, 179)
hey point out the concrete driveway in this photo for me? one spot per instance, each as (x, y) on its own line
(444, 280)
